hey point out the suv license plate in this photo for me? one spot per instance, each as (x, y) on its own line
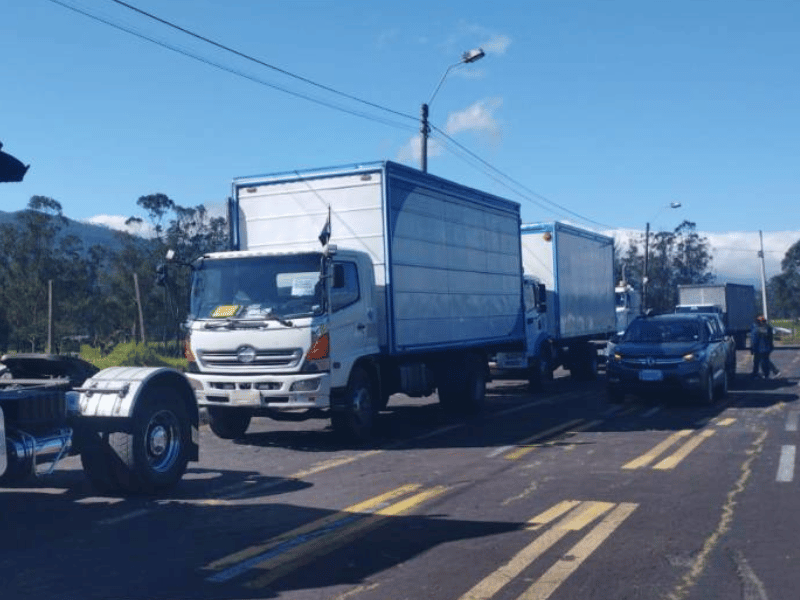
(650, 375)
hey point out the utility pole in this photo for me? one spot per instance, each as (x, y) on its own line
(763, 278)
(424, 129)
(646, 265)
(139, 304)
(49, 316)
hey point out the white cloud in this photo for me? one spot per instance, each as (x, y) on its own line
(118, 222)
(496, 44)
(479, 117)
(411, 152)
(735, 254)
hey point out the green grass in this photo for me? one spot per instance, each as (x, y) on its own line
(132, 355)
(787, 339)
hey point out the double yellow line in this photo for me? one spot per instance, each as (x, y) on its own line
(671, 461)
(576, 515)
(283, 554)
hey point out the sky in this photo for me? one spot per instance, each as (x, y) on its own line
(601, 113)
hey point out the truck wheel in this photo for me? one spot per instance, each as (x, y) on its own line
(538, 373)
(18, 470)
(475, 383)
(229, 423)
(585, 363)
(356, 420)
(154, 455)
(97, 460)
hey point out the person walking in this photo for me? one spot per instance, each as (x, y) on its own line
(761, 345)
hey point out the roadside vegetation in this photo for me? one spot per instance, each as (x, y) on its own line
(109, 305)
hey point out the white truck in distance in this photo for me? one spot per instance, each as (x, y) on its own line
(413, 281)
(570, 303)
(735, 302)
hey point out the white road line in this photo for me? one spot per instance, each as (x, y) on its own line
(786, 464)
(791, 420)
(651, 412)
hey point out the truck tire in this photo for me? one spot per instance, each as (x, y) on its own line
(584, 364)
(539, 372)
(18, 470)
(154, 454)
(461, 383)
(356, 421)
(475, 383)
(229, 423)
(98, 461)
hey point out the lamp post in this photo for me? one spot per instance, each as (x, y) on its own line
(647, 253)
(470, 56)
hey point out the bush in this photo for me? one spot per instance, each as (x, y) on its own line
(131, 354)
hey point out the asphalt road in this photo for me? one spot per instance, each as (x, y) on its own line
(554, 495)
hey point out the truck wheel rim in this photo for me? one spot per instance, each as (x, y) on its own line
(163, 441)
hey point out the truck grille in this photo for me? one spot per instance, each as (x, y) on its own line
(281, 358)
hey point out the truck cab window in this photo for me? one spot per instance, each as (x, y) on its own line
(344, 291)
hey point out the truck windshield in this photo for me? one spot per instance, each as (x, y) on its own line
(257, 287)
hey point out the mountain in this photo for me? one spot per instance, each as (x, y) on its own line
(88, 233)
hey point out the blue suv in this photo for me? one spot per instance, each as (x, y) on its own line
(670, 352)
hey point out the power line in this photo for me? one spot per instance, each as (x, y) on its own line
(531, 194)
(261, 62)
(233, 71)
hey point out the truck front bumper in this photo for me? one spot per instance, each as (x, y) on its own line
(276, 392)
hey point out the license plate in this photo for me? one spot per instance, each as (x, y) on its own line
(651, 375)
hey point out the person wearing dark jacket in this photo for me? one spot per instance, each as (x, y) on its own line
(761, 345)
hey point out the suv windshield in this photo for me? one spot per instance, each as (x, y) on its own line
(664, 331)
(257, 287)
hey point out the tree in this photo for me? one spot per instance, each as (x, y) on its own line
(676, 257)
(784, 288)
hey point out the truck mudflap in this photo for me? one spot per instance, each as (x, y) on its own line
(115, 392)
(138, 428)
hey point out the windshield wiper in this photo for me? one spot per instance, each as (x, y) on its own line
(247, 323)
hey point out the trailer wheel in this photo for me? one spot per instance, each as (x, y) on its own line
(229, 423)
(154, 454)
(355, 422)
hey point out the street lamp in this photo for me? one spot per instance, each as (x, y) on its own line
(647, 252)
(470, 56)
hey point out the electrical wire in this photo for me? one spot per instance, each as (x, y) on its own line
(529, 194)
(261, 62)
(234, 71)
(467, 155)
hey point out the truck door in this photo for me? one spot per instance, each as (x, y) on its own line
(352, 324)
(534, 312)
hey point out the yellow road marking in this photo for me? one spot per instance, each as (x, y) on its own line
(564, 567)
(524, 446)
(298, 556)
(335, 462)
(726, 422)
(365, 506)
(671, 461)
(583, 514)
(648, 457)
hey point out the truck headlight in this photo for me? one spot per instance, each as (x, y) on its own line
(305, 385)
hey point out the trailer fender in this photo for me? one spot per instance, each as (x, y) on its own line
(113, 394)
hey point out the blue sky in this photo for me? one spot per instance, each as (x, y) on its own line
(599, 112)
